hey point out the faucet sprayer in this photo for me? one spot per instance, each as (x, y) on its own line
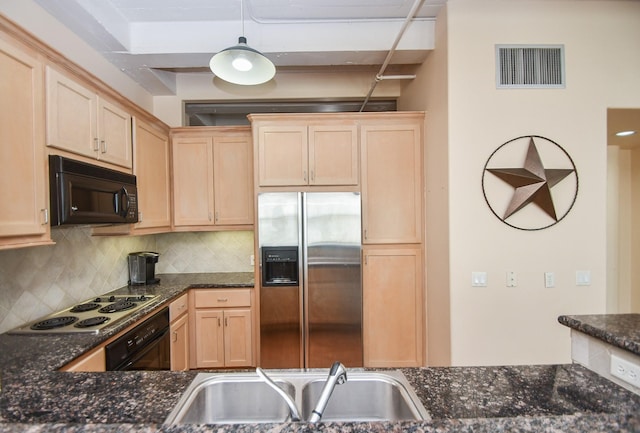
(337, 376)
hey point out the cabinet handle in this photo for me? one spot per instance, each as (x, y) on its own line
(216, 216)
(175, 337)
(209, 216)
(226, 322)
(45, 216)
(104, 146)
(304, 175)
(313, 176)
(96, 144)
(365, 234)
(219, 322)
(223, 299)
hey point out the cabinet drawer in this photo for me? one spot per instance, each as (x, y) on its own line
(205, 298)
(178, 307)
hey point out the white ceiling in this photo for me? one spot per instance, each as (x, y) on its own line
(152, 40)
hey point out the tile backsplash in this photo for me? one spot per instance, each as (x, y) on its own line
(37, 281)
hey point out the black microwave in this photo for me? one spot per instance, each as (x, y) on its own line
(82, 193)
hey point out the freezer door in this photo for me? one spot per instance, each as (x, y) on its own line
(279, 225)
(332, 279)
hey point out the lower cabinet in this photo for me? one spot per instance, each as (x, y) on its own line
(91, 361)
(222, 328)
(392, 307)
(179, 331)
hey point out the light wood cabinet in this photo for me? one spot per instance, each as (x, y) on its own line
(392, 307)
(222, 328)
(179, 331)
(94, 360)
(293, 152)
(82, 122)
(391, 160)
(152, 167)
(212, 177)
(23, 198)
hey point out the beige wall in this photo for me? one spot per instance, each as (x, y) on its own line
(496, 324)
(286, 85)
(429, 92)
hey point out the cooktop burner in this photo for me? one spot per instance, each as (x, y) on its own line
(54, 322)
(92, 321)
(84, 307)
(117, 306)
(88, 316)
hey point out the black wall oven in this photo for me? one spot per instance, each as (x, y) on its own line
(145, 347)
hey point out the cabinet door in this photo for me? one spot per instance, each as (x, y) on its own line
(180, 343)
(209, 341)
(71, 115)
(91, 362)
(152, 169)
(192, 181)
(283, 155)
(114, 132)
(391, 183)
(23, 196)
(392, 308)
(233, 179)
(238, 338)
(333, 155)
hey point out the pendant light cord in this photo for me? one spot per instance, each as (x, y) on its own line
(242, 15)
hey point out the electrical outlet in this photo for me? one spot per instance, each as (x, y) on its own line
(549, 279)
(625, 370)
(252, 260)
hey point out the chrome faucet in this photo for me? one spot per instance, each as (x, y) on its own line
(293, 409)
(337, 376)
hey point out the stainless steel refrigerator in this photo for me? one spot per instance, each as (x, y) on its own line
(311, 284)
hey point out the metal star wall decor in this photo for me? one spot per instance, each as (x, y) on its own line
(532, 183)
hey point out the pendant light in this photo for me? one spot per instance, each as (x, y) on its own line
(241, 64)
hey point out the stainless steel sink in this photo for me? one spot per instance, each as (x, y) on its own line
(368, 397)
(230, 399)
(235, 398)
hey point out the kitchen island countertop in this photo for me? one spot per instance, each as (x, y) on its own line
(38, 398)
(620, 330)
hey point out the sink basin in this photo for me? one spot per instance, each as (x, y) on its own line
(236, 398)
(368, 397)
(219, 400)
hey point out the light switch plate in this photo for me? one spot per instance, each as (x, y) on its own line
(549, 279)
(479, 279)
(583, 278)
(512, 280)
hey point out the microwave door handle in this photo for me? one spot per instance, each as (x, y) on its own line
(127, 201)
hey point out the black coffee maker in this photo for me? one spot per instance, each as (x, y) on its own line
(142, 267)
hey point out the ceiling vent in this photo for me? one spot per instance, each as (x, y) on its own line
(530, 66)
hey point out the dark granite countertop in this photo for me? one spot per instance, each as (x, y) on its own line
(620, 330)
(38, 398)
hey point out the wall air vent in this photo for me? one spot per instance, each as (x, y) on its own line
(530, 66)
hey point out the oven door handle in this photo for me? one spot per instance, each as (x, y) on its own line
(138, 355)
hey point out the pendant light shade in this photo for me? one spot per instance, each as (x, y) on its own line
(241, 64)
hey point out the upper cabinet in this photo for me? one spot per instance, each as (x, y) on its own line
(24, 197)
(152, 168)
(301, 151)
(391, 159)
(212, 177)
(84, 123)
